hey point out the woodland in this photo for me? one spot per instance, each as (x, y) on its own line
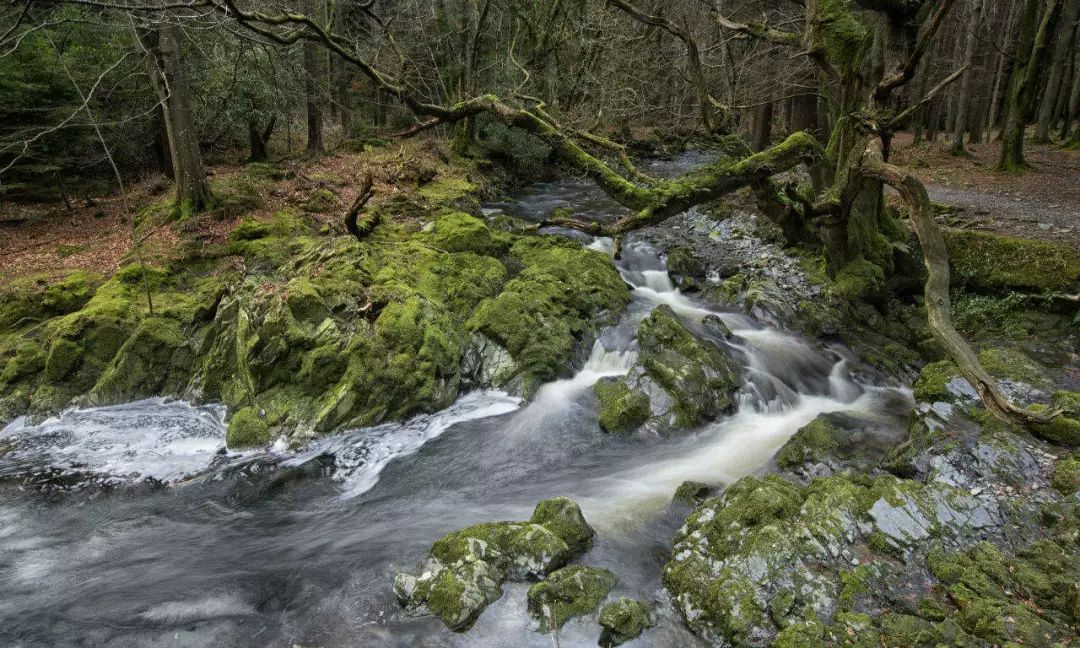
(765, 311)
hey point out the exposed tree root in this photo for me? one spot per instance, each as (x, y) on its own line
(938, 303)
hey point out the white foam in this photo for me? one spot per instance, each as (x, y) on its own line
(361, 455)
(148, 439)
(210, 607)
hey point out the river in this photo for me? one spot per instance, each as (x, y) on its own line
(245, 556)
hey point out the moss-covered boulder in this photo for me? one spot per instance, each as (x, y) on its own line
(549, 312)
(686, 269)
(567, 593)
(691, 493)
(622, 409)
(700, 376)
(465, 569)
(156, 359)
(459, 232)
(623, 620)
(840, 439)
(247, 429)
(987, 261)
(770, 554)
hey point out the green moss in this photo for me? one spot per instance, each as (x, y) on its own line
(812, 442)
(622, 410)
(1011, 364)
(460, 232)
(990, 316)
(156, 360)
(247, 429)
(64, 357)
(995, 262)
(684, 261)
(623, 620)
(34, 299)
(27, 360)
(932, 382)
(801, 635)
(320, 201)
(552, 306)
(699, 376)
(567, 593)
(858, 279)
(839, 33)
(1061, 429)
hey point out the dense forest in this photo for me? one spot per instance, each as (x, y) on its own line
(758, 316)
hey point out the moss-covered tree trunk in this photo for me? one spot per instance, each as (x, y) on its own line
(1032, 43)
(169, 79)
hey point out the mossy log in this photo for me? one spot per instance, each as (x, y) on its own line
(357, 226)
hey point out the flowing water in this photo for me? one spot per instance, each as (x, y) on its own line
(244, 556)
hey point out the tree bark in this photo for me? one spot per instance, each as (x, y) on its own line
(762, 133)
(1065, 43)
(1030, 52)
(1006, 47)
(315, 83)
(966, 82)
(169, 79)
(1073, 112)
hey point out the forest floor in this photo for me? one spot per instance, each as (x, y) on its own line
(1042, 203)
(95, 234)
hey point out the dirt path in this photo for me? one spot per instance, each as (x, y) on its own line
(1044, 203)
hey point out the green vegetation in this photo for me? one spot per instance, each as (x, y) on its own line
(567, 593)
(622, 410)
(623, 620)
(994, 262)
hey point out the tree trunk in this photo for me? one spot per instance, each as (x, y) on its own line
(1030, 50)
(1065, 43)
(964, 99)
(1073, 111)
(315, 83)
(170, 83)
(341, 73)
(1006, 46)
(762, 133)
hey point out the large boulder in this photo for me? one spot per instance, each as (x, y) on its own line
(569, 592)
(837, 440)
(465, 569)
(700, 376)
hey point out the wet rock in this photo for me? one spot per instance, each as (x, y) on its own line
(567, 593)
(838, 440)
(715, 326)
(769, 561)
(700, 376)
(465, 569)
(691, 493)
(622, 409)
(686, 269)
(247, 429)
(623, 620)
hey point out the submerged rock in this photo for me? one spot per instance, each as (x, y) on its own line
(567, 593)
(623, 620)
(699, 376)
(465, 569)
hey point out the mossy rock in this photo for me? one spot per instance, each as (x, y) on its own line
(838, 436)
(1061, 429)
(64, 357)
(1066, 478)
(460, 232)
(994, 262)
(699, 376)
(932, 385)
(684, 263)
(691, 493)
(622, 409)
(36, 299)
(623, 620)
(247, 429)
(156, 360)
(567, 593)
(465, 569)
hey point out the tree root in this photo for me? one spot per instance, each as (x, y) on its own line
(938, 303)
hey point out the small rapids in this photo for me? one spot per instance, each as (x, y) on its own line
(222, 558)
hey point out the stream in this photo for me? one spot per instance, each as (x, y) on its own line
(305, 555)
